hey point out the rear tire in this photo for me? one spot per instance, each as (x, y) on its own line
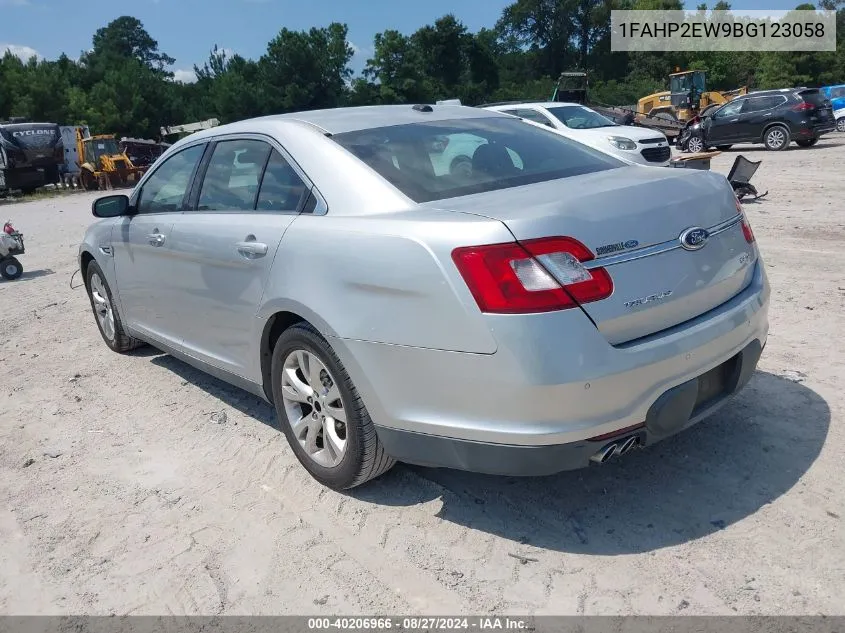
(11, 269)
(105, 314)
(776, 138)
(332, 434)
(807, 143)
(840, 124)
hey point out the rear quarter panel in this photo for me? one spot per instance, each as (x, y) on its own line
(383, 278)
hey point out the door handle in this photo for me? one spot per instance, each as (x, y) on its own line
(156, 239)
(734, 120)
(251, 248)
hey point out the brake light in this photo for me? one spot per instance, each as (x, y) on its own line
(802, 107)
(540, 275)
(746, 227)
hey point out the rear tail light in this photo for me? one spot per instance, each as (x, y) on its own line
(802, 107)
(533, 276)
(746, 227)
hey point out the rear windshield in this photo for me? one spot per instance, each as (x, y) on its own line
(816, 97)
(451, 158)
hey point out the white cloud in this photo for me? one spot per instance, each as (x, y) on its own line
(228, 52)
(184, 76)
(359, 50)
(23, 52)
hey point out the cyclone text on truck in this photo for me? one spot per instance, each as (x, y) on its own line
(30, 155)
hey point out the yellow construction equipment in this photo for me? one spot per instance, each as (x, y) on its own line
(687, 96)
(102, 164)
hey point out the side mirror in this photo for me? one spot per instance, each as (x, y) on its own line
(110, 206)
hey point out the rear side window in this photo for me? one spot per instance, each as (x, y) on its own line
(166, 187)
(281, 188)
(813, 96)
(759, 104)
(233, 175)
(446, 159)
(835, 93)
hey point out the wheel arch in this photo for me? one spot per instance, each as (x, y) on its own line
(279, 317)
(85, 259)
(769, 126)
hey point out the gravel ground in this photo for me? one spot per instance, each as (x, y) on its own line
(122, 489)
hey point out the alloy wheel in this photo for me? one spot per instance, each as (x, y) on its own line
(102, 306)
(695, 145)
(776, 138)
(314, 408)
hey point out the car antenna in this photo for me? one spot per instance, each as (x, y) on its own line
(423, 108)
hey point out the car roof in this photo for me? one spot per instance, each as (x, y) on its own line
(339, 120)
(536, 104)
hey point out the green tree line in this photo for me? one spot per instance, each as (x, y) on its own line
(124, 84)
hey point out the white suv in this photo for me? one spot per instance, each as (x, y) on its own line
(635, 144)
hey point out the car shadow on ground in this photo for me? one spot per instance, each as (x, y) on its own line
(723, 470)
(233, 397)
(760, 149)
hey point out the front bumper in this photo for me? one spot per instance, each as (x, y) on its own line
(533, 405)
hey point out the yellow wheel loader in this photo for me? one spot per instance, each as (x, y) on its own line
(687, 95)
(103, 165)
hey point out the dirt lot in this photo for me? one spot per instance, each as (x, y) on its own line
(121, 493)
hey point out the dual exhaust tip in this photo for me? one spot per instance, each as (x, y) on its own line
(615, 448)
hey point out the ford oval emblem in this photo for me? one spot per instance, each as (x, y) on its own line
(694, 238)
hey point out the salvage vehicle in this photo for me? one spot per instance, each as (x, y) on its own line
(771, 117)
(508, 319)
(580, 123)
(30, 155)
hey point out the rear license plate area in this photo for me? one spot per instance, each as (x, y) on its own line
(713, 384)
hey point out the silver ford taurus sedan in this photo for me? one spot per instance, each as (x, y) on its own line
(537, 307)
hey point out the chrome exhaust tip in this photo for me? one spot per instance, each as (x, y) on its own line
(604, 454)
(628, 444)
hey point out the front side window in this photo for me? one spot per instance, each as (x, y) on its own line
(732, 109)
(166, 187)
(835, 93)
(232, 178)
(483, 154)
(580, 118)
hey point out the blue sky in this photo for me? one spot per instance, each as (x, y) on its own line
(187, 29)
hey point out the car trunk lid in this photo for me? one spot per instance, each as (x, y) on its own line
(633, 219)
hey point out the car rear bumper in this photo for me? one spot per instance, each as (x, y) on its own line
(674, 411)
(533, 405)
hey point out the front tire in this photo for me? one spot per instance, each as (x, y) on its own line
(11, 269)
(807, 143)
(106, 316)
(776, 138)
(695, 144)
(321, 413)
(840, 124)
